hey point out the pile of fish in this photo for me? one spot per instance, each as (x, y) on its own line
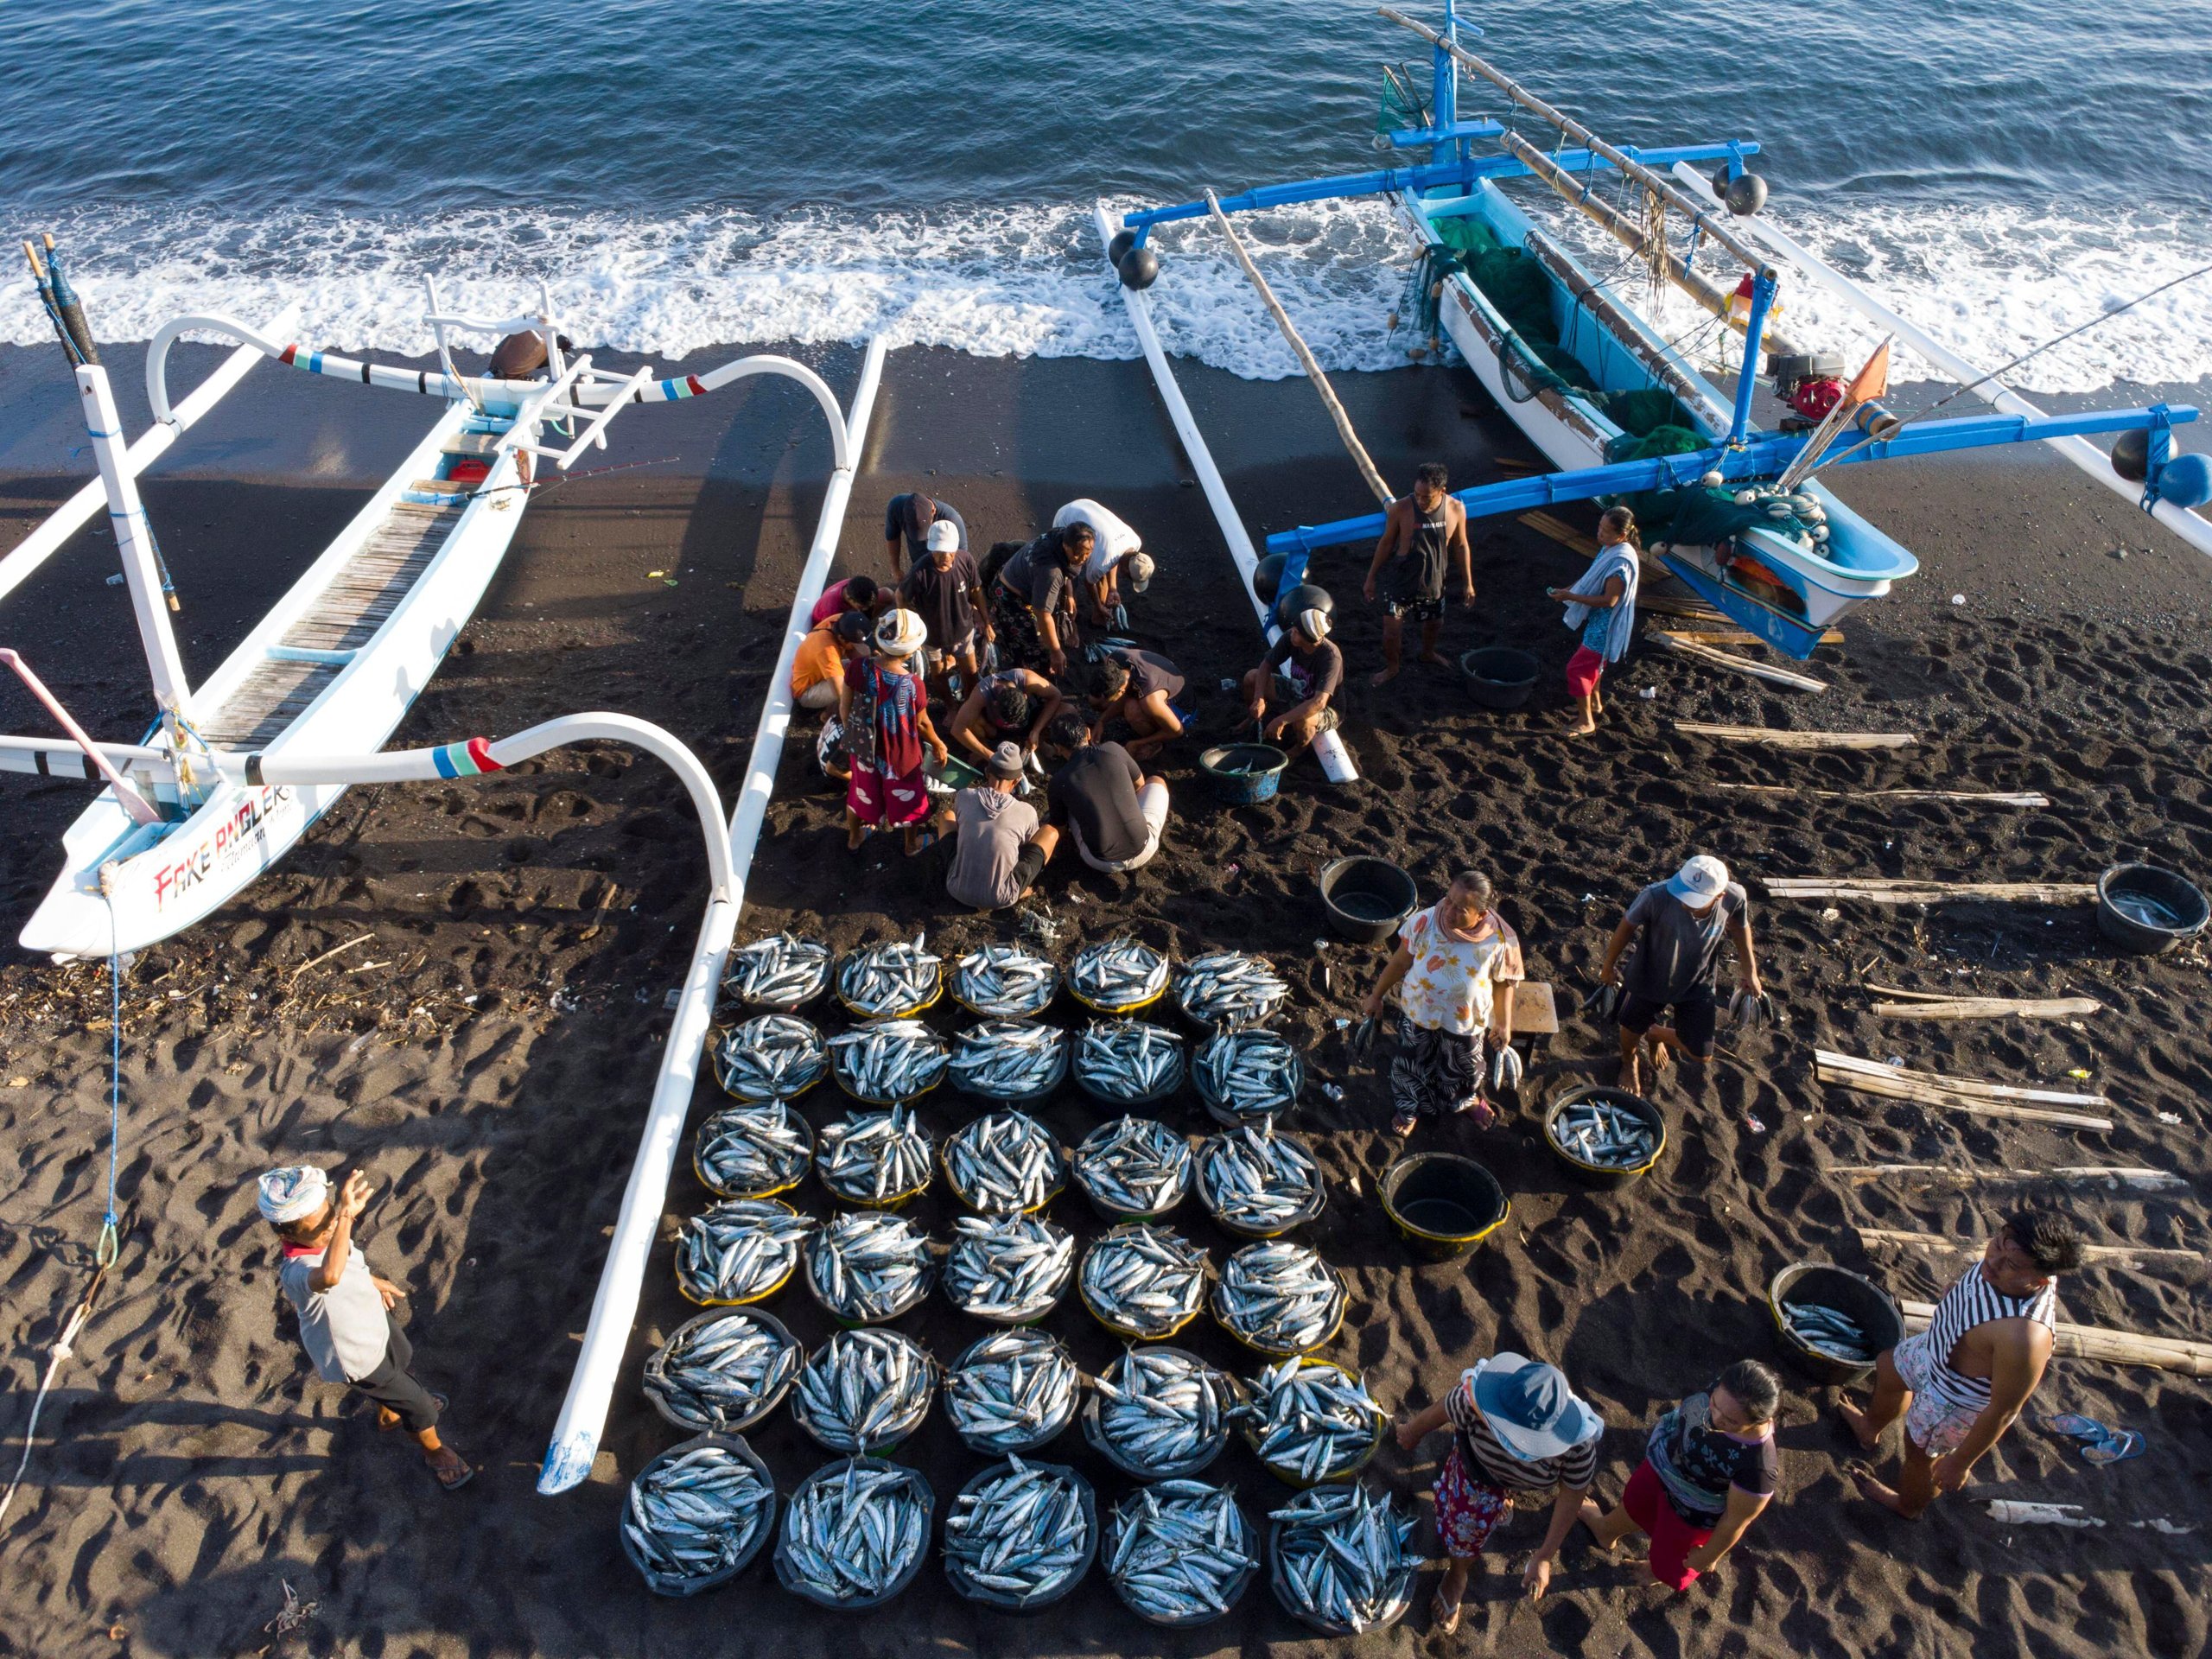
(854, 1532)
(1161, 1411)
(1009, 1059)
(1011, 1391)
(874, 1157)
(1144, 1280)
(1135, 1165)
(894, 1060)
(866, 1266)
(745, 1152)
(780, 971)
(1003, 1163)
(885, 980)
(1129, 1059)
(739, 1249)
(1007, 1268)
(1116, 975)
(1229, 988)
(1005, 981)
(1313, 1421)
(1279, 1298)
(1599, 1132)
(1179, 1552)
(1827, 1331)
(1341, 1562)
(864, 1389)
(1019, 1535)
(1253, 1181)
(721, 1373)
(695, 1515)
(1249, 1073)
(775, 1057)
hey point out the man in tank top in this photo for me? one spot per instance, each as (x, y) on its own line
(1960, 1384)
(1422, 533)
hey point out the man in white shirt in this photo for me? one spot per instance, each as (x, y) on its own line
(1115, 549)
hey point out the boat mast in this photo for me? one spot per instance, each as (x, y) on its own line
(134, 540)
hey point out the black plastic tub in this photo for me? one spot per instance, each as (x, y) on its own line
(999, 1600)
(1443, 1205)
(2145, 909)
(1366, 898)
(1604, 1176)
(1859, 1299)
(1499, 676)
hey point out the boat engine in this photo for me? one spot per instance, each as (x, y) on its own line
(1811, 383)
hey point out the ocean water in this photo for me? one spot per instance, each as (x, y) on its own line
(684, 173)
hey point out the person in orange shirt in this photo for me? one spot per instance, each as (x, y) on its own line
(818, 669)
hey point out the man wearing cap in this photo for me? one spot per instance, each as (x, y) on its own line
(906, 521)
(1301, 669)
(1117, 549)
(1517, 1429)
(1684, 921)
(346, 1322)
(1001, 850)
(947, 591)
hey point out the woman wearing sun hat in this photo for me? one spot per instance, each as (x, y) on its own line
(885, 715)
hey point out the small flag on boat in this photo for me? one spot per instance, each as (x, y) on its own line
(1872, 381)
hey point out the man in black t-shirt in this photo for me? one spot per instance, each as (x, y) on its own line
(1303, 669)
(1114, 811)
(906, 524)
(1134, 688)
(1032, 598)
(947, 591)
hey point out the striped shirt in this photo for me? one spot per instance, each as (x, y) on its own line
(1967, 1305)
(1489, 1462)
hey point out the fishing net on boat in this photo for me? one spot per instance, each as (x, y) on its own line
(1401, 108)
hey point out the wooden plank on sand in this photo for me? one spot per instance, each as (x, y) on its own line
(1561, 532)
(1790, 678)
(1965, 1096)
(2187, 1356)
(1973, 1088)
(1983, 798)
(1776, 738)
(2124, 1253)
(1989, 1008)
(1884, 890)
(1723, 633)
(1968, 1175)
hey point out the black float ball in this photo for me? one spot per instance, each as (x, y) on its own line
(1118, 249)
(1306, 596)
(1745, 195)
(2131, 456)
(1139, 268)
(1266, 577)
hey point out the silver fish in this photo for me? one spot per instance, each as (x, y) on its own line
(876, 1157)
(1012, 1391)
(694, 1513)
(854, 1530)
(890, 1061)
(1129, 1059)
(1145, 1280)
(1008, 1268)
(747, 1152)
(1117, 973)
(1137, 1166)
(890, 980)
(1254, 1180)
(719, 1372)
(1342, 1560)
(780, 971)
(1003, 1163)
(1161, 1411)
(863, 1389)
(1248, 1073)
(1229, 988)
(1005, 981)
(1313, 1421)
(1179, 1552)
(1021, 1532)
(774, 1057)
(1280, 1298)
(1829, 1331)
(867, 1266)
(1599, 1132)
(739, 1249)
(1009, 1059)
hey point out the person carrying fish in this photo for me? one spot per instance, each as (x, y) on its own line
(887, 720)
(1683, 922)
(1008, 704)
(1454, 970)
(1602, 603)
(1302, 670)
(1960, 1384)
(1032, 596)
(818, 666)
(906, 522)
(344, 1311)
(947, 591)
(1132, 688)
(1117, 549)
(1422, 535)
(1518, 1432)
(1002, 848)
(1709, 1469)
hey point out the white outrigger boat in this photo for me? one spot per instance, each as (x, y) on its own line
(1623, 412)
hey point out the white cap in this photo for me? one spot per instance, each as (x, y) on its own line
(1699, 881)
(1140, 567)
(944, 534)
(1314, 624)
(902, 633)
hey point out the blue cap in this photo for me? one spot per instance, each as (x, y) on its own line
(1530, 1406)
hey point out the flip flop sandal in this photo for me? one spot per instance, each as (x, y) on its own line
(1445, 1620)
(455, 1483)
(2073, 1424)
(2118, 1447)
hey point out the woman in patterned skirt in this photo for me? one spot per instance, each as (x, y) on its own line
(885, 715)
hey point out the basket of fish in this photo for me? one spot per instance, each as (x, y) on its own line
(866, 1268)
(1128, 1063)
(1003, 981)
(1833, 1322)
(771, 1056)
(698, 1514)
(1279, 1299)
(1143, 1283)
(865, 1391)
(1179, 1553)
(1020, 1535)
(855, 1534)
(753, 1152)
(738, 1251)
(1160, 1412)
(1248, 1074)
(1607, 1137)
(1117, 976)
(895, 980)
(1004, 1164)
(1007, 1269)
(1132, 1169)
(1341, 1560)
(888, 1063)
(1313, 1421)
(781, 971)
(1013, 1061)
(877, 1160)
(1012, 1392)
(1229, 988)
(722, 1372)
(1257, 1184)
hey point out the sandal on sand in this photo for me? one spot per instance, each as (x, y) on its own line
(2117, 1446)
(454, 1482)
(1446, 1620)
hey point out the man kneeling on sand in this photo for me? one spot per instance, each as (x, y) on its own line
(346, 1322)
(1960, 1384)
(1115, 812)
(1003, 850)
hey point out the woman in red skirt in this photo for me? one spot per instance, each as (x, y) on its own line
(885, 715)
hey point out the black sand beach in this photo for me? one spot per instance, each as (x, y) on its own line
(486, 1051)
